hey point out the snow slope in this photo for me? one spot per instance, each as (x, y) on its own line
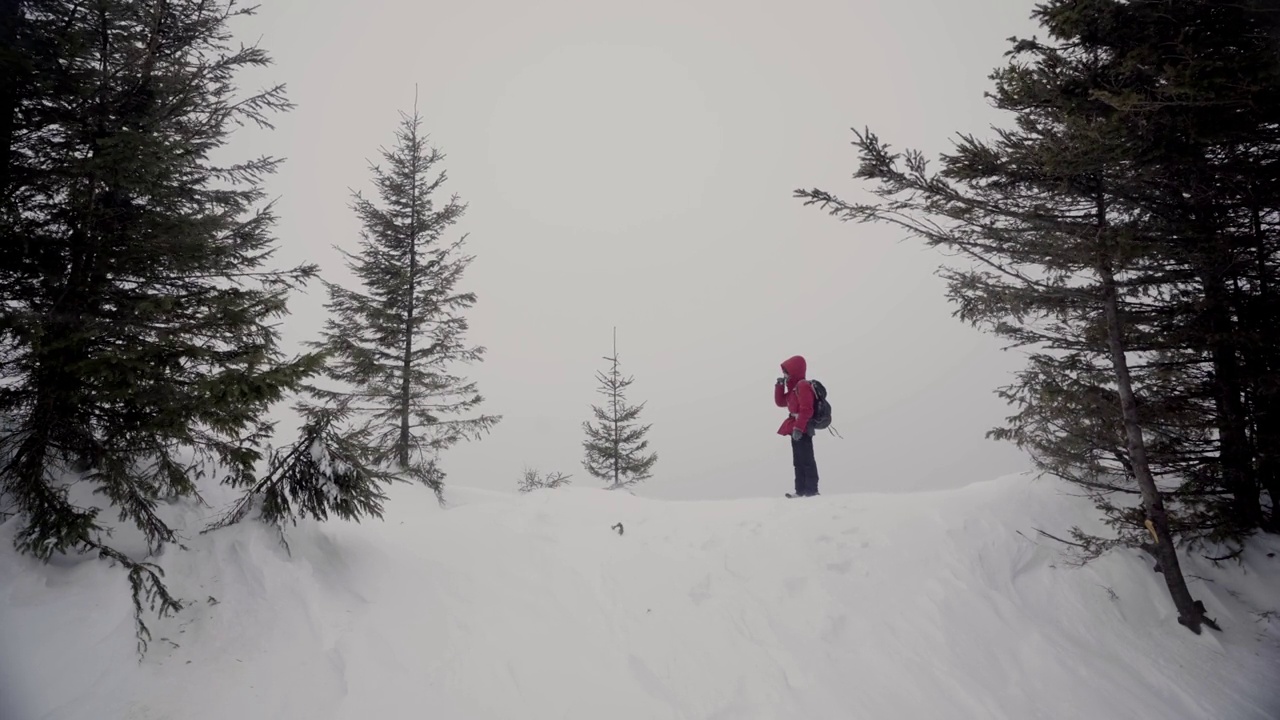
(926, 605)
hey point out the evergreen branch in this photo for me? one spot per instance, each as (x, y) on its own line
(146, 585)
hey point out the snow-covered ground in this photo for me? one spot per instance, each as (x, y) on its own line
(927, 605)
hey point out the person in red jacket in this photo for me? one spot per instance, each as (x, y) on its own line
(793, 392)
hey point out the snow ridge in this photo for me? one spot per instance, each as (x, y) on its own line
(921, 605)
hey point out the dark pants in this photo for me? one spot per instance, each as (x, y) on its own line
(806, 465)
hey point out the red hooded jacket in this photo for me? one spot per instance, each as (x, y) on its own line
(796, 397)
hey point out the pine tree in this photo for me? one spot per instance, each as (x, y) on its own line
(615, 445)
(392, 346)
(1197, 86)
(1063, 259)
(138, 350)
(1205, 109)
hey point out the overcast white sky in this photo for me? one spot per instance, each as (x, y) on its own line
(632, 164)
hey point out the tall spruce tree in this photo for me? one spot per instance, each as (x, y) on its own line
(1063, 260)
(393, 346)
(137, 297)
(1203, 103)
(615, 445)
(1197, 89)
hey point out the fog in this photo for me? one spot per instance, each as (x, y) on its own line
(631, 165)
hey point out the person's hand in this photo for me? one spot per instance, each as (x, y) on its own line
(796, 435)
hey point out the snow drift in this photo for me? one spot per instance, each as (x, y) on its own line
(579, 603)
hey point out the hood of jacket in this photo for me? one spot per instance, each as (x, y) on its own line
(795, 366)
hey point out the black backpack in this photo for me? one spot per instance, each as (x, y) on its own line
(821, 408)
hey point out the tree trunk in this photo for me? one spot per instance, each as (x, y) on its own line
(1266, 377)
(1191, 612)
(1233, 436)
(617, 434)
(1268, 422)
(406, 387)
(11, 61)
